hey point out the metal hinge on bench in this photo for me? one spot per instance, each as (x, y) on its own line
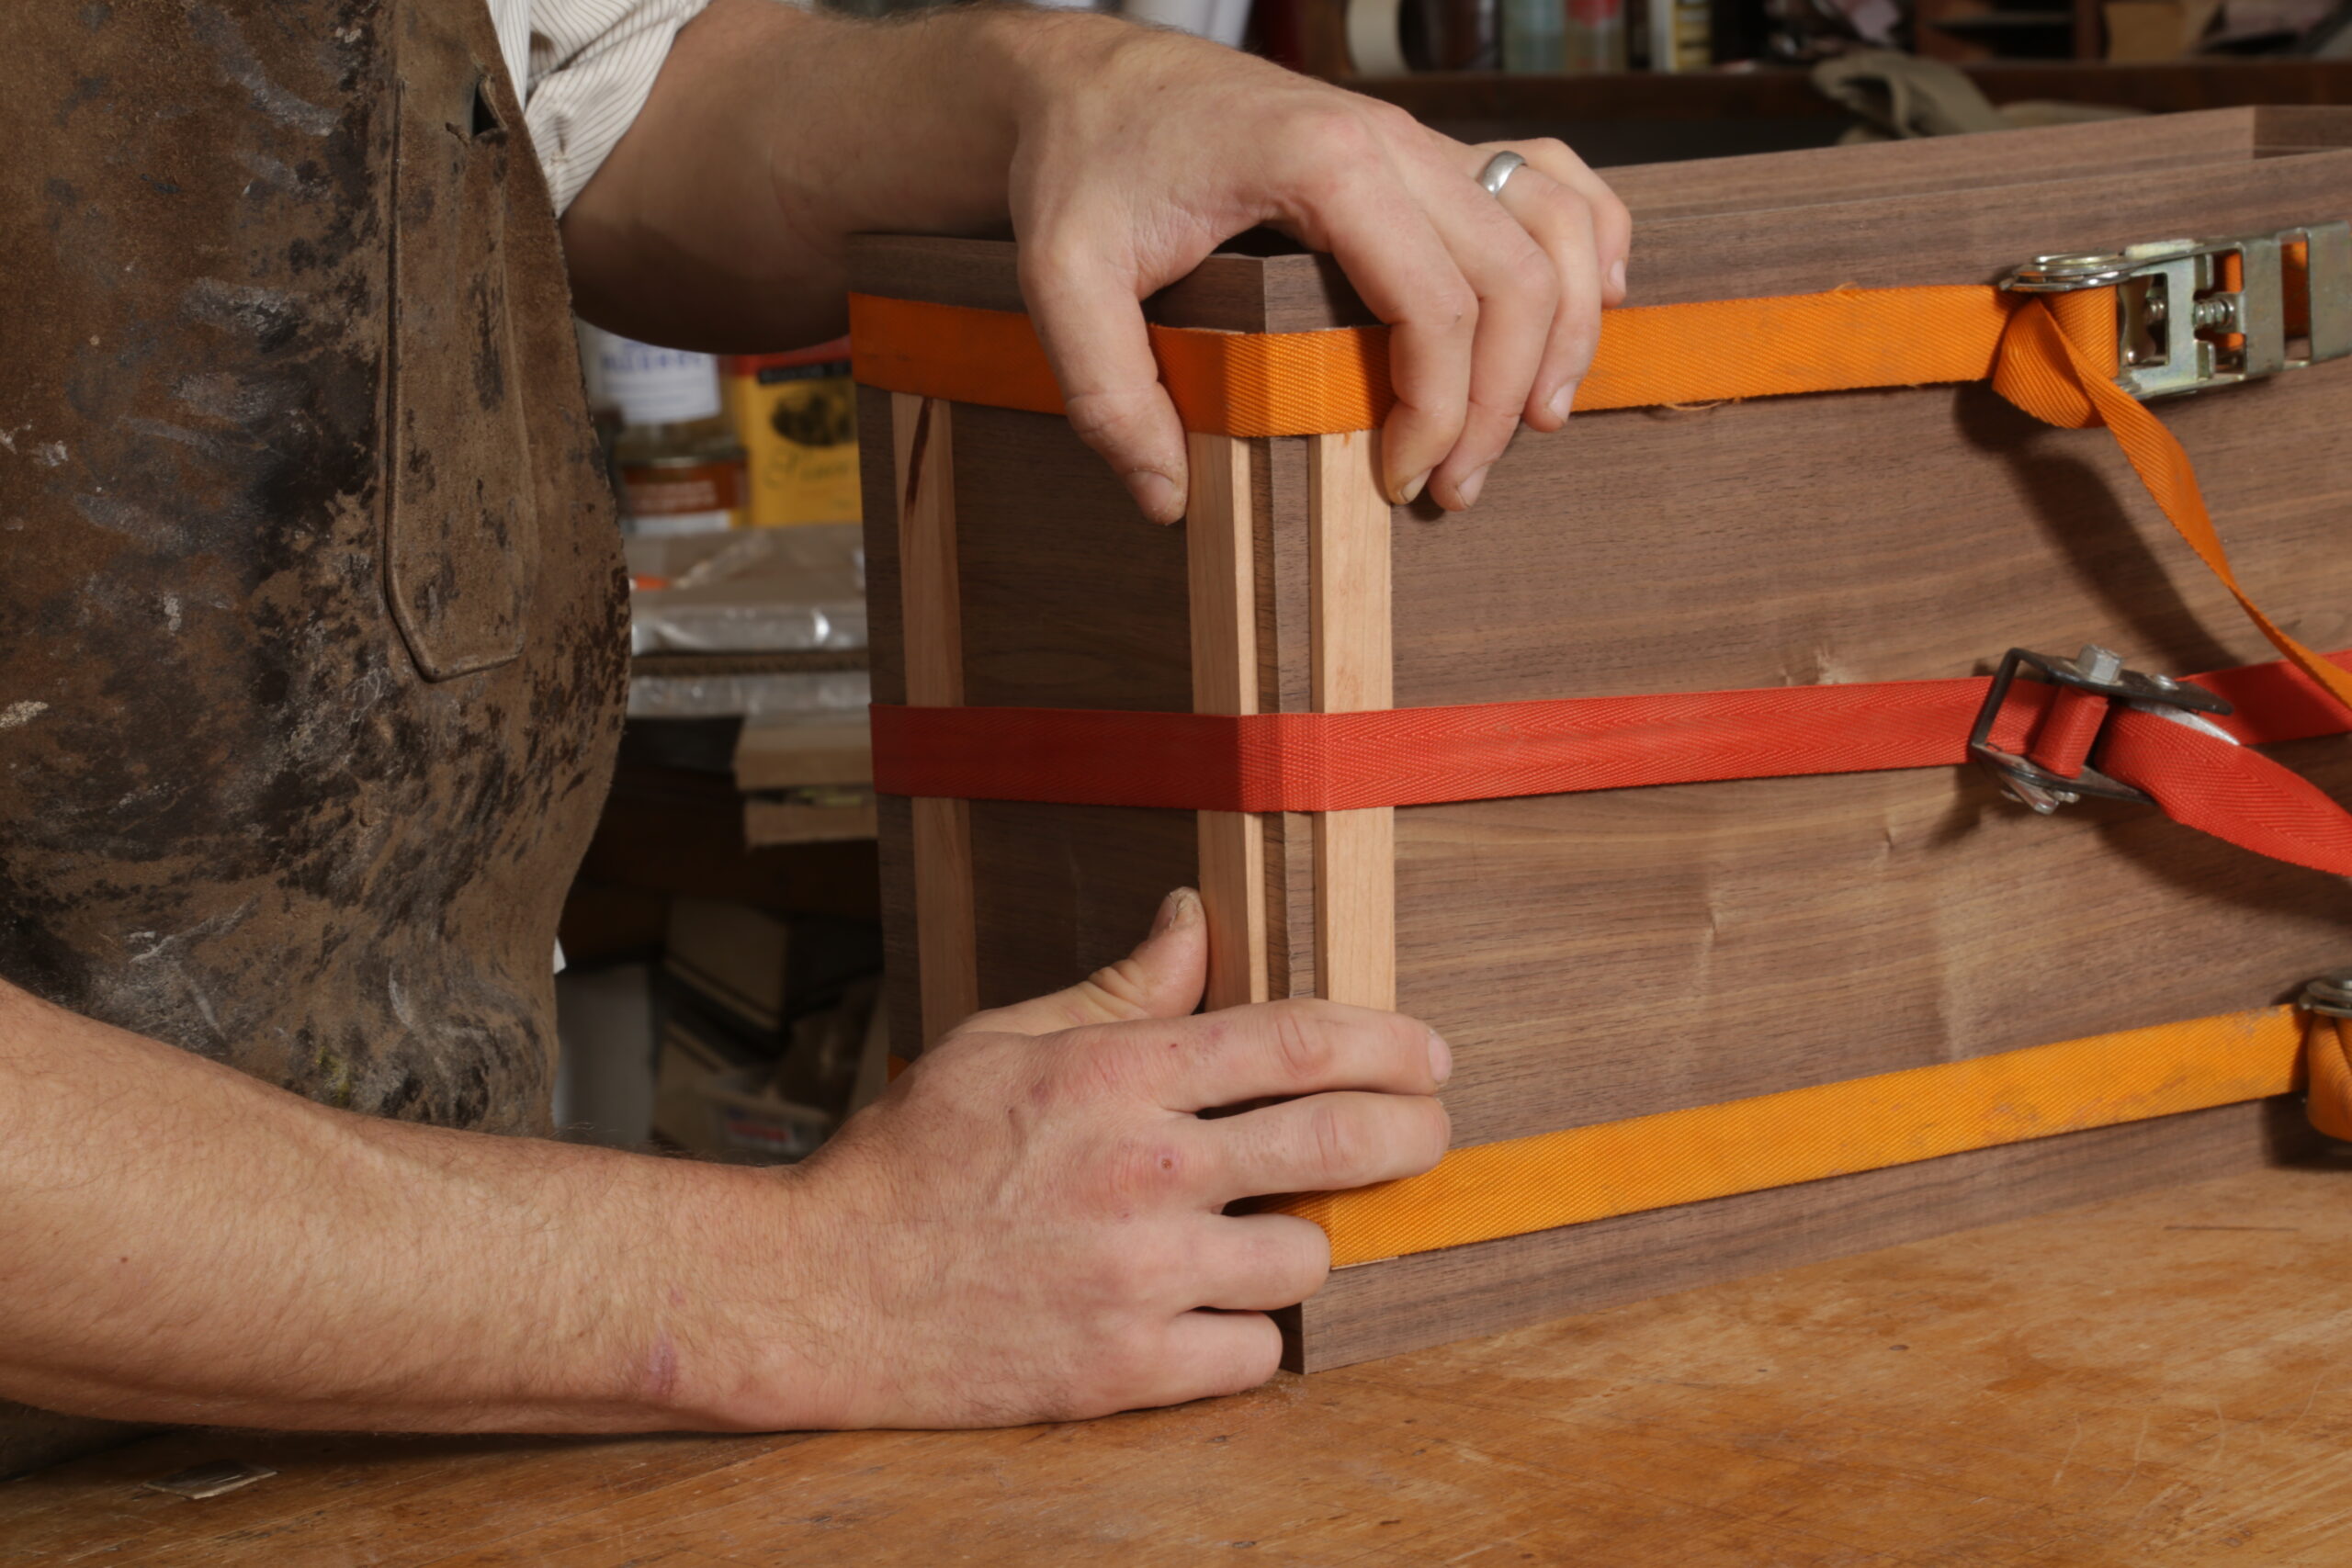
(2179, 326)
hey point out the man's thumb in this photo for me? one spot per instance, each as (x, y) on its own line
(1162, 979)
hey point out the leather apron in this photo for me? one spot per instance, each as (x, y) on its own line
(312, 615)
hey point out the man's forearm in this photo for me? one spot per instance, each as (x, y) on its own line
(179, 1242)
(771, 135)
(1030, 1225)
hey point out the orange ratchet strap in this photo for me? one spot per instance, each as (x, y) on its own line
(1325, 382)
(2055, 355)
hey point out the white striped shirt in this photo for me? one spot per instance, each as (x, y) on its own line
(584, 68)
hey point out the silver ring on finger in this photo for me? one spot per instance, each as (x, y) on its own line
(1498, 171)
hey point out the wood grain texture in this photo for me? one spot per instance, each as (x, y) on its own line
(2154, 1381)
(1830, 176)
(922, 431)
(1963, 239)
(1064, 890)
(932, 657)
(2302, 128)
(1355, 851)
(1222, 556)
(1806, 910)
(1071, 599)
(1403, 1304)
(894, 835)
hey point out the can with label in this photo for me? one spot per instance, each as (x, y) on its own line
(681, 492)
(676, 461)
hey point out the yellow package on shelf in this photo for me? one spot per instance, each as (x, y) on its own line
(797, 416)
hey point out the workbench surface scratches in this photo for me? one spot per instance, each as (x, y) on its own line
(2161, 1380)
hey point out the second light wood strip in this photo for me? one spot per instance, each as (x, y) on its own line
(923, 441)
(1355, 851)
(1219, 548)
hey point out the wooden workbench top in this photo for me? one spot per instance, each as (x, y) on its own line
(2164, 1382)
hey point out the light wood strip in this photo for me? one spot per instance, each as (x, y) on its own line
(1222, 556)
(1355, 851)
(922, 446)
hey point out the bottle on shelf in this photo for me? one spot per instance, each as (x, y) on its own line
(1594, 37)
(676, 460)
(1534, 36)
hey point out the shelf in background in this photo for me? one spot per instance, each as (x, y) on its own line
(1636, 117)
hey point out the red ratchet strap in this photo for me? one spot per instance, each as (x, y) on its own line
(1493, 751)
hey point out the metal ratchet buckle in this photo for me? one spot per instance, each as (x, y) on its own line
(2330, 993)
(2094, 669)
(2172, 308)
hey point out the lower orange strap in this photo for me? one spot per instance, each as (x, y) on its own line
(1806, 1135)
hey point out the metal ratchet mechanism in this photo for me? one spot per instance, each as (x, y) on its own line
(2330, 993)
(2181, 328)
(2095, 670)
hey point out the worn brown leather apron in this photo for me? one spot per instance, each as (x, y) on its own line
(312, 642)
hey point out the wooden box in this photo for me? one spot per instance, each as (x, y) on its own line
(1604, 956)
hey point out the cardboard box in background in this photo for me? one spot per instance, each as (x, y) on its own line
(797, 416)
(733, 957)
(767, 1025)
(761, 971)
(709, 1100)
(718, 1096)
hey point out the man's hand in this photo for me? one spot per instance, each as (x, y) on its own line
(1028, 1225)
(1138, 153)
(1122, 156)
(1031, 1225)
